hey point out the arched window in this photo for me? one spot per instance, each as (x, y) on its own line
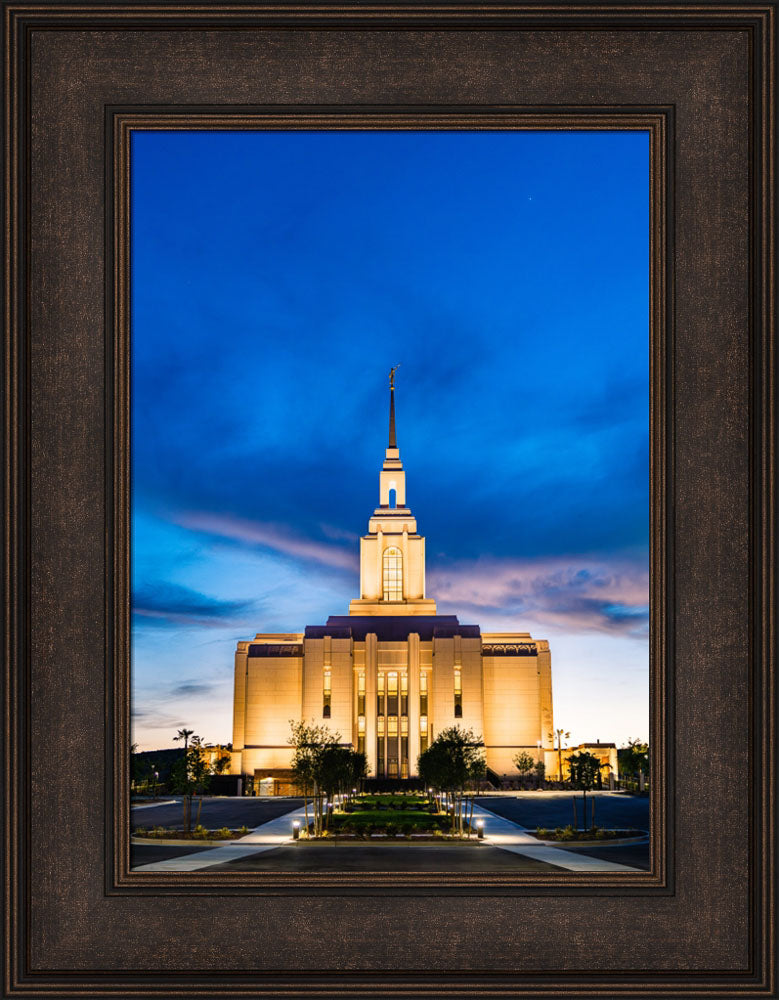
(393, 497)
(393, 574)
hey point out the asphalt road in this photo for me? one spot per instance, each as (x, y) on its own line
(145, 854)
(375, 858)
(635, 855)
(529, 809)
(217, 812)
(552, 809)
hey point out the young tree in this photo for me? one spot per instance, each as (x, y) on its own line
(633, 758)
(199, 771)
(523, 762)
(358, 770)
(310, 765)
(584, 770)
(540, 769)
(221, 764)
(454, 763)
(181, 778)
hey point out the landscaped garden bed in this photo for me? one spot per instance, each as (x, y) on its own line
(198, 834)
(567, 834)
(389, 817)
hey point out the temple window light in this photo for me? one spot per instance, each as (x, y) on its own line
(392, 577)
(326, 693)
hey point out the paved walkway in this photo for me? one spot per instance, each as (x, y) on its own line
(498, 832)
(264, 837)
(512, 837)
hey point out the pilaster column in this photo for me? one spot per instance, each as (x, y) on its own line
(379, 565)
(413, 702)
(371, 667)
(405, 574)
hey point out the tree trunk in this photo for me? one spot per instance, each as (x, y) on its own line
(584, 808)
(575, 817)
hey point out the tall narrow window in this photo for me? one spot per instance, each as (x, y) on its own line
(423, 744)
(423, 693)
(393, 574)
(392, 693)
(381, 747)
(326, 693)
(361, 693)
(404, 694)
(380, 696)
(458, 693)
(361, 734)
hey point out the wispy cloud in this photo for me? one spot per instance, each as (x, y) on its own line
(569, 594)
(171, 604)
(189, 689)
(271, 536)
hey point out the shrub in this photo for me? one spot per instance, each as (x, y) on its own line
(391, 829)
(542, 832)
(565, 833)
(157, 831)
(139, 831)
(224, 834)
(243, 830)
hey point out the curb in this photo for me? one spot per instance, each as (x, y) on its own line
(164, 842)
(567, 845)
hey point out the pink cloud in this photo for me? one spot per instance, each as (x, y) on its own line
(271, 536)
(571, 594)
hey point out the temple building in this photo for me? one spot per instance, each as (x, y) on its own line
(393, 672)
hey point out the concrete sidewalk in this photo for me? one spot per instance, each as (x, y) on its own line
(498, 832)
(265, 837)
(510, 836)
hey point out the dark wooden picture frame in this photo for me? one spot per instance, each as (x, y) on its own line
(701, 80)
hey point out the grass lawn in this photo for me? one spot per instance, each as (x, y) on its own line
(390, 822)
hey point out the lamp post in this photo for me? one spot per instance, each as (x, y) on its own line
(480, 829)
(156, 777)
(296, 829)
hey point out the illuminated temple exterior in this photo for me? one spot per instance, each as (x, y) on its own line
(392, 673)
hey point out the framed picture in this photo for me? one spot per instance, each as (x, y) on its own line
(239, 534)
(88, 86)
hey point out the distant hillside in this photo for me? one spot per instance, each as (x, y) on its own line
(145, 763)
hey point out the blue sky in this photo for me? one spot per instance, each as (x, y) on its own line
(276, 277)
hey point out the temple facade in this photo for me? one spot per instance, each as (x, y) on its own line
(392, 673)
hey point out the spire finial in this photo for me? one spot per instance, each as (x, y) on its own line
(392, 441)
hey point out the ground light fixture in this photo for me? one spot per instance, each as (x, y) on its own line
(480, 828)
(296, 829)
